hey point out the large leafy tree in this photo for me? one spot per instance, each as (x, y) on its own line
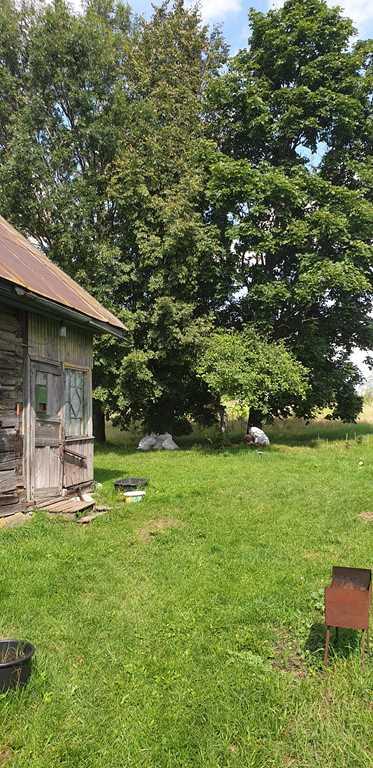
(290, 192)
(64, 88)
(178, 270)
(103, 161)
(245, 367)
(69, 98)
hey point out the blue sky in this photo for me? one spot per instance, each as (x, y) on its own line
(232, 15)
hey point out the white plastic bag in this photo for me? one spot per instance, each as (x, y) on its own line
(147, 443)
(169, 444)
(157, 443)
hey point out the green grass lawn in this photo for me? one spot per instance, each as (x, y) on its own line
(201, 646)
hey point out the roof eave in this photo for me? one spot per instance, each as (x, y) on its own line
(28, 300)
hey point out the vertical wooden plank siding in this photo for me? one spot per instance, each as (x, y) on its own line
(27, 337)
(12, 338)
(74, 474)
(43, 338)
(46, 465)
(46, 342)
(73, 347)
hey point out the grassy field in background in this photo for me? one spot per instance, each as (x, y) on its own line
(288, 431)
(186, 631)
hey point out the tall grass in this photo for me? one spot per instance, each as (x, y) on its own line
(291, 431)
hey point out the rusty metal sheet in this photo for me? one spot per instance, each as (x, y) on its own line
(351, 578)
(24, 265)
(347, 602)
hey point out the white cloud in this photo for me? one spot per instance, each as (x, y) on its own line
(211, 10)
(215, 10)
(76, 5)
(358, 358)
(360, 11)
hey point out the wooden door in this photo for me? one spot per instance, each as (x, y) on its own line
(47, 430)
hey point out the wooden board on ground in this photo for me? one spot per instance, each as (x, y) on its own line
(91, 516)
(19, 518)
(69, 505)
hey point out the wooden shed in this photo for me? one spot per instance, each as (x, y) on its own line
(47, 324)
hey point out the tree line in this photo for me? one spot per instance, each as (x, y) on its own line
(220, 205)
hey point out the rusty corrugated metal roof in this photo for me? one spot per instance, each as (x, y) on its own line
(22, 264)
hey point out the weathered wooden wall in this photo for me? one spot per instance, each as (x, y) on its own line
(46, 343)
(12, 348)
(25, 337)
(74, 474)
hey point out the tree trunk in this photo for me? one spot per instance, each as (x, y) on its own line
(98, 422)
(222, 419)
(255, 419)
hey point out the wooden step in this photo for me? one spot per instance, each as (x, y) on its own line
(69, 505)
(41, 504)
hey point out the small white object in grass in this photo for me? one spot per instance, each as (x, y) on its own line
(87, 497)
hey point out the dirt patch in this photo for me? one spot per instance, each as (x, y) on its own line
(232, 748)
(367, 516)
(312, 555)
(155, 527)
(287, 655)
(5, 755)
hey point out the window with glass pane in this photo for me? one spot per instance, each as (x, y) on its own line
(75, 402)
(41, 393)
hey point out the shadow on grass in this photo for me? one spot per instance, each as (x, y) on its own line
(103, 475)
(343, 644)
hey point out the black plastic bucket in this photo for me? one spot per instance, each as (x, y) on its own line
(15, 663)
(130, 483)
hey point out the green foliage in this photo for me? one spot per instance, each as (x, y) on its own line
(187, 195)
(106, 165)
(63, 134)
(291, 191)
(156, 382)
(245, 367)
(297, 84)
